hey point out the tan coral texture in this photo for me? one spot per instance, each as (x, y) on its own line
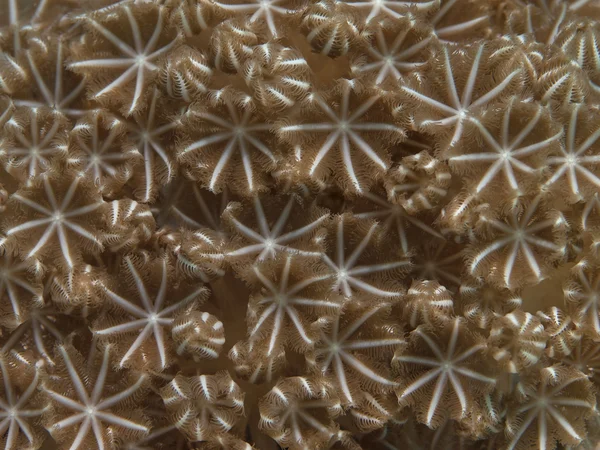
(299, 224)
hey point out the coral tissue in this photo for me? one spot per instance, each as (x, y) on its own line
(299, 224)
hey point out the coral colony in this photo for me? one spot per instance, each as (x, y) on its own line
(299, 224)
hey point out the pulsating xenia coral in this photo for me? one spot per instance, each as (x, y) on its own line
(299, 224)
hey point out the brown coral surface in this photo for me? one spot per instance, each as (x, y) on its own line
(299, 224)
